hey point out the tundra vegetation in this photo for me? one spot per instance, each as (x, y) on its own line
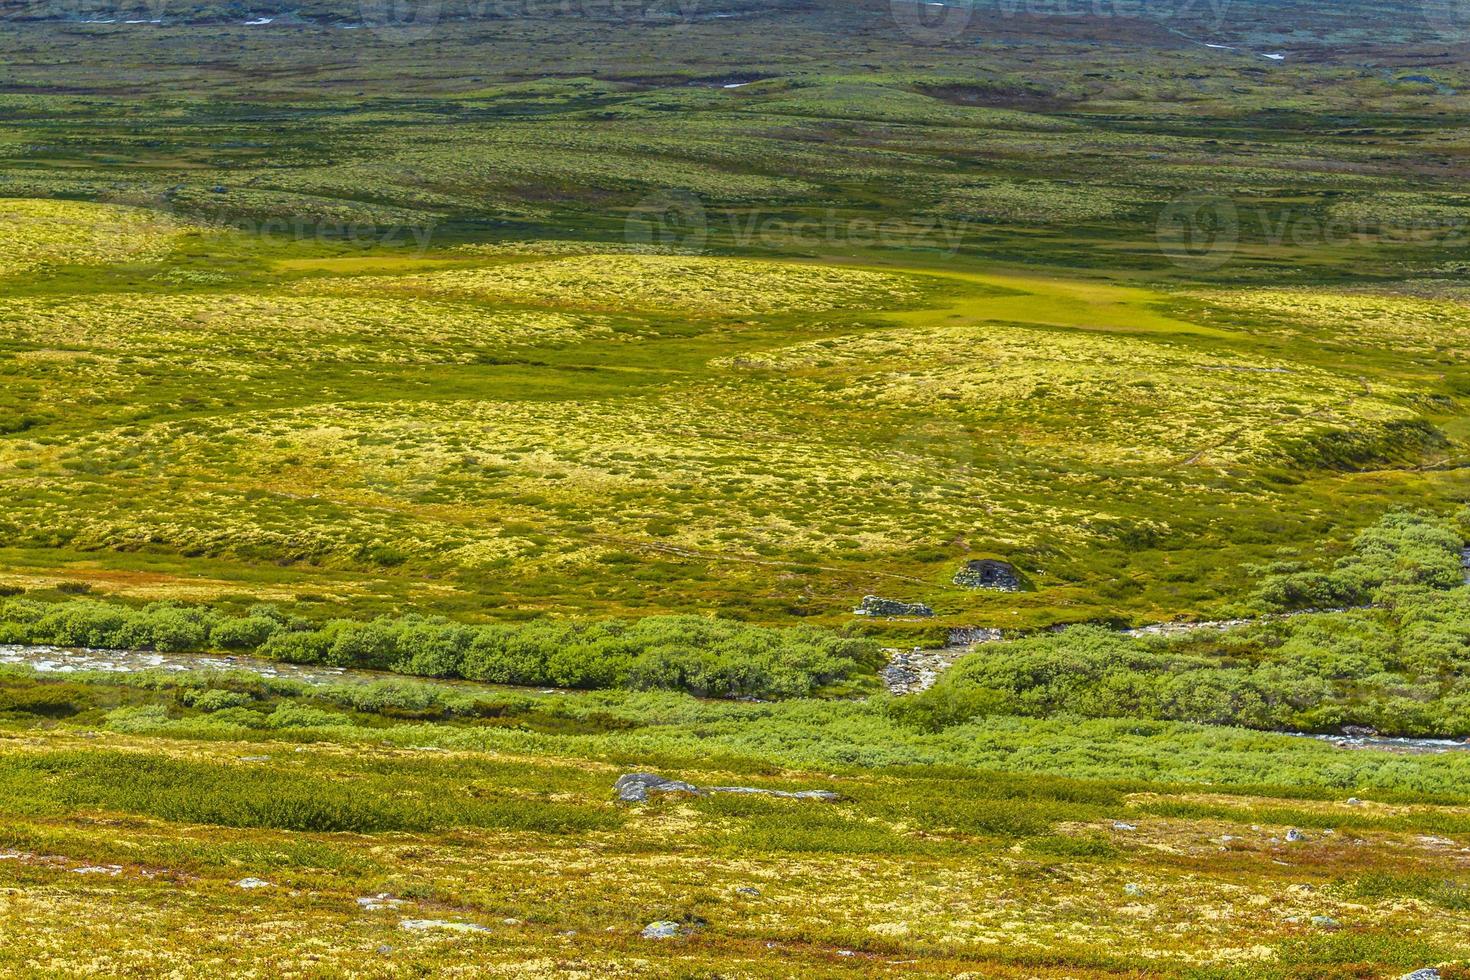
(577, 372)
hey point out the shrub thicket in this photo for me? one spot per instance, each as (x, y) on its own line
(1401, 666)
(711, 657)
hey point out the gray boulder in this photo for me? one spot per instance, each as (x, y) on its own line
(634, 787)
(1428, 973)
(802, 794)
(988, 573)
(875, 606)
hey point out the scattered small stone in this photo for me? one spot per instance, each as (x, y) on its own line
(1354, 801)
(98, 869)
(511, 922)
(1428, 973)
(663, 929)
(422, 924)
(255, 758)
(845, 952)
(1293, 835)
(1120, 825)
(748, 891)
(378, 903)
(1133, 890)
(1325, 922)
(252, 883)
(385, 949)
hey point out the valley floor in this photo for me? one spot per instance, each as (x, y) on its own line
(1135, 883)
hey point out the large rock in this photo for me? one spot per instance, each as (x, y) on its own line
(800, 794)
(635, 787)
(875, 606)
(987, 573)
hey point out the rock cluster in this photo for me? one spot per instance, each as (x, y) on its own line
(968, 636)
(875, 606)
(912, 671)
(635, 787)
(987, 573)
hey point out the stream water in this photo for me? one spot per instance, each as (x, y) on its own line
(66, 660)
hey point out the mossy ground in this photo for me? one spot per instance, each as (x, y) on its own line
(302, 313)
(910, 876)
(521, 434)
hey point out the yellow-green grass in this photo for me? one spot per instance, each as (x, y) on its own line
(906, 877)
(510, 434)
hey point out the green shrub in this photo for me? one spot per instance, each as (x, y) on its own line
(215, 700)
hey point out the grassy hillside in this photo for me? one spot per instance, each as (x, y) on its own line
(501, 433)
(593, 363)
